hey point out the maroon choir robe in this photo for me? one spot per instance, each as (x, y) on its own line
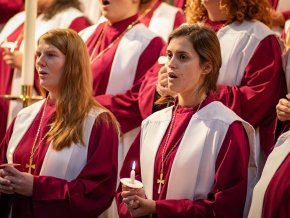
(163, 18)
(101, 67)
(277, 197)
(253, 100)
(86, 196)
(230, 181)
(9, 8)
(7, 73)
(180, 3)
(271, 196)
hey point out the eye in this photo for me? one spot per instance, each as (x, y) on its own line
(49, 54)
(182, 57)
(169, 56)
(38, 54)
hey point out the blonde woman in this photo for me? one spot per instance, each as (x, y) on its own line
(66, 145)
(51, 14)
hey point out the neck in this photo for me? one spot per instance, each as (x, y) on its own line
(149, 5)
(52, 96)
(192, 100)
(114, 21)
(215, 13)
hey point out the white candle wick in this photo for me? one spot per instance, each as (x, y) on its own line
(132, 173)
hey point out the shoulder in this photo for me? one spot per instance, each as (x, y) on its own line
(71, 12)
(140, 32)
(161, 116)
(254, 28)
(87, 32)
(103, 118)
(217, 111)
(33, 107)
(167, 8)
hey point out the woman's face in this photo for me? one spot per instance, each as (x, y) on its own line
(49, 64)
(117, 10)
(185, 74)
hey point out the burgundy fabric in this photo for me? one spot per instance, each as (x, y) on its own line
(86, 196)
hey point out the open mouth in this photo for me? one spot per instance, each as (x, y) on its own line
(41, 72)
(172, 75)
(106, 2)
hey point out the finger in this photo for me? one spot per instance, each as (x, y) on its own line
(164, 82)
(129, 198)
(12, 170)
(284, 102)
(163, 70)
(5, 182)
(6, 188)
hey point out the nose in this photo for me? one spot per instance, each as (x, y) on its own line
(40, 60)
(171, 62)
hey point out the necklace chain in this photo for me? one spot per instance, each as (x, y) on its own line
(95, 56)
(164, 158)
(35, 146)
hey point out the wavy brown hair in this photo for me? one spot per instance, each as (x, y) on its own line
(206, 44)
(235, 10)
(76, 97)
(60, 5)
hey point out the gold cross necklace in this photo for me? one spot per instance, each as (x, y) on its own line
(164, 158)
(35, 146)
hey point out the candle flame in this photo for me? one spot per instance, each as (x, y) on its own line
(134, 165)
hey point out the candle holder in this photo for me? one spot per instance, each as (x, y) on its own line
(25, 96)
(128, 182)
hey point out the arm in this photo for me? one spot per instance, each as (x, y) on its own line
(261, 87)
(127, 104)
(179, 19)
(230, 183)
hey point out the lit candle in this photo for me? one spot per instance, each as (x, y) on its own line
(132, 173)
(27, 74)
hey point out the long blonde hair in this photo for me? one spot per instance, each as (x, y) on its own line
(235, 10)
(75, 92)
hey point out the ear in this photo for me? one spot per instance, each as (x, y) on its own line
(206, 68)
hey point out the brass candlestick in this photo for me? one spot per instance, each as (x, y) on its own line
(25, 96)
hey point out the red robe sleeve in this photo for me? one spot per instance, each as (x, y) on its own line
(126, 104)
(92, 191)
(180, 3)
(277, 196)
(262, 86)
(286, 14)
(230, 182)
(3, 148)
(79, 24)
(9, 8)
(179, 19)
